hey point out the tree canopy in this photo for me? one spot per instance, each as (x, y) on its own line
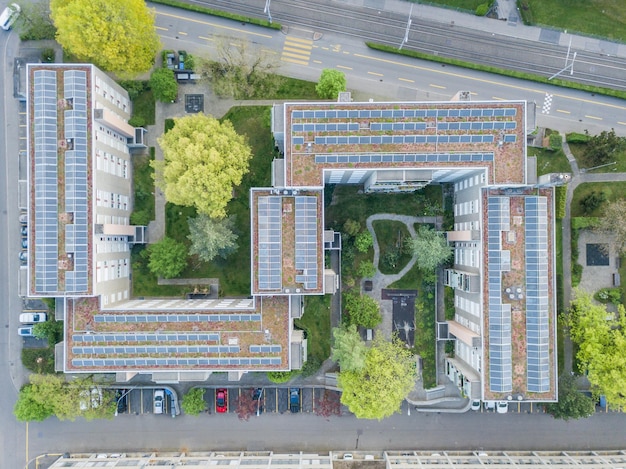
(349, 350)
(362, 310)
(116, 35)
(430, 248)
(572, 404)
(378, 389)
(164, 85)
(331, 83)
(603, 148)
(34, 22)
(203, 160)
(613, 222)
(601, 341)
(167, 258)
(211, 238)
(193, 402)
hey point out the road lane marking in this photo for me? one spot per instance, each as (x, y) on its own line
(497, 98)
(317, 61)
(293, 61)
(407, 80)
(621, 123)
(374, 73)
(191, 20)
(594, 117)
(182, 33)
(342, 66)
(486, 81)
(206, 38)
(437, 86)
(162, 29)
(563, 111)
(346, 52)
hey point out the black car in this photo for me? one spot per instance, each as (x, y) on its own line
(121, 397)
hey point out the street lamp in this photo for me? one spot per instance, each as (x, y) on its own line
(117, 401)
(267, 10)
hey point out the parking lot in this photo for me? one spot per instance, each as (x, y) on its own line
(141, 401)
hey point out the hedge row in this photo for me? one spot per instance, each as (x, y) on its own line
(561, 198)
(498, 71)
(223, 14)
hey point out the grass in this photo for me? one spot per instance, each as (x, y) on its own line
(612, 190)
(579, 152)
(39, 360)
(144, 185)
(464, 5)
(347, 202)
(550, 161)
(316, 323)
(391, 235)
(604, 18)
(294, 88)
(144, 107)
(412, 280)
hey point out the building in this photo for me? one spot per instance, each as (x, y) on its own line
(80, 236)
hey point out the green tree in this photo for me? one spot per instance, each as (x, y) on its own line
(363, 241)
(331, 83)
(210, 238)
(378, 389)
(592, 201)
(362, 310)
(50, 330)
(203, 160)
(116, 35)
(601, 341)
(167, 258)
(603, 148)
(30, 407)
(429, 247)
(349, 350)
(193, 402)
(351, 227)
(613, 223)
(572, 404)
(164, 85)
(34, 22)
(366, 269)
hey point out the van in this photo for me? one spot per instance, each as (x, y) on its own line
(9, 15)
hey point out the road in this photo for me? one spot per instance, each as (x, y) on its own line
(444, 32)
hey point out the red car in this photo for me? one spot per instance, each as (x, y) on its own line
(221, 400)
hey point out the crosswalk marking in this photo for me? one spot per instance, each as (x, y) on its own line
(547, 104)
(297, 50)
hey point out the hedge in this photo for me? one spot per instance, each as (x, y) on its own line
(576, 137)
(560, 199)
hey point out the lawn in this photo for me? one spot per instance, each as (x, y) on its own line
(467, 5)
(578, 150)
(604, 18)
(550, 161)
(143, 182)
(612, 190)
(293, 88)
(143, 107)
(391, 235)
(316, 323)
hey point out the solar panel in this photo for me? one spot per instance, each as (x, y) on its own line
(333, 158)
(306, 241)
(269, 232)
(173, 362)
(149, 318)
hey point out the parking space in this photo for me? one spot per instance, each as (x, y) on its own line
(209, 398)
(307, 399)
(282, 400)
(270, 399)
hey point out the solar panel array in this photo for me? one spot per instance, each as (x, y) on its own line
(500, 352)
(266, 348)
(173, 362)
(76, 163)
(403, 157)
(45, 181)
(537, 299)
(402, 113)
(269, 231)
(306, 241)
(402, 139)
(323, 127)
(147, 349)
(176, 317)
(143, 337)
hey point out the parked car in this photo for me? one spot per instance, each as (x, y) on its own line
(121, 398)
(23, 256)
(24, 243)
(32, 318)
(9, 15)
(348, 457)
(257, 395)
(26, 331)
(502, 407)
(475, 404)
(23, 218)
(294, 400)
(221, 400)
(159, 397)
(490, 405)
(24, 230)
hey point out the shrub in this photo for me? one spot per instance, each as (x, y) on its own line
(137, 121)
(556, 142)
(561, 199)
(279, 377)
(134, 87)
(47, 55)
(609, 295)
(193, 402)
(311, 366)
(366, 269)
(140, 217)
(482, 9)
(363, 241)
(576, 137)
(577, 273)
(592, 201)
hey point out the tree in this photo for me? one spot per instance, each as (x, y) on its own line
(572, 404)
(601, 341)
(362, 310)
(349, 350)
(164, 85)
(592, 201)
(351, 227)
(30, 408)
(34, 22)
(167, 258)
(203, 160)
(211, 238)
(116, 35)
(246, 405)
(376, 391)
(363, 241)
(193, 402)
(429, 247)
(602, 148)
(613, 223)
(50, 330)
(366, 269)
(331, 83)
(241, 71)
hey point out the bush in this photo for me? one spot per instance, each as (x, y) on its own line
(366, 269)
(190, 62)
(363, 241)
(482, 9)
(556, 142)
(134, 87)
(137, 121)
(575, 137)
(581, 223)
(193, 402)
(38, 360)
(593, 201)
(311, 366)
(279, 377)
(561, 199)
(140, 217)
(577, 273)
(609, 295)
(48, 55)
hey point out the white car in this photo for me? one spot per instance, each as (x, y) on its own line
(502, 407)
(26, 331)
(490, 405)
(475, 404)
(32, 318)
(9, 15)
(159, 397)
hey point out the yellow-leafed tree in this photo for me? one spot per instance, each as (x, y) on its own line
(116, 35)
(203, 160)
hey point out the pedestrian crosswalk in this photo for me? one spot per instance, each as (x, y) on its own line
(547, 104)
(297, 50)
